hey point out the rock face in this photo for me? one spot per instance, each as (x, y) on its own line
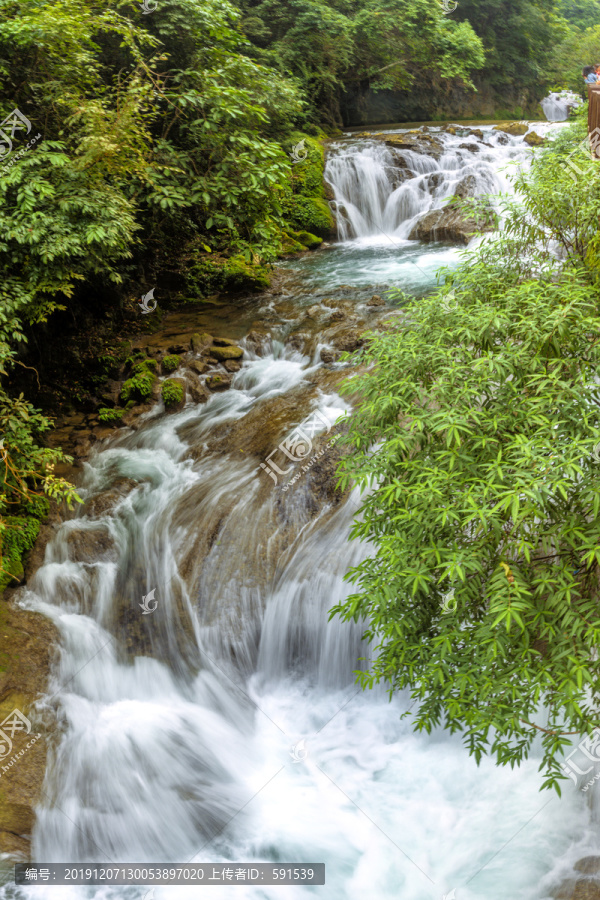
(444, 225)
(419, 143)
(91, 545)
(26, 645)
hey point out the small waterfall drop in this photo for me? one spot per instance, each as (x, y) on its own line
(557, 104)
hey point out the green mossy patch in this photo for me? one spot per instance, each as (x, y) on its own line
(311, 214)
(170, 363)
(307, 173)
(289, 244)
(223, 353)
(110, 416)
(210, 273)
(304, 205)
(139, 387)
(172, 393)
(16, 539)
(308, 240)
(147, 365)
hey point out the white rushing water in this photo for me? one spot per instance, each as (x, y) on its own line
(383, 190)
(188, 749)
(557, 104)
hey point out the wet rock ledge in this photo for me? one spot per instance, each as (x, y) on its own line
(27, 642)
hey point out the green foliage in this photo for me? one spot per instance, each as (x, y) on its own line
(110, 416)
(18, 537)
(170, 363)
(26, 477)
(138, 387)
(172, 393)
(580, 14)
(383, 44)
(578, 49)
(478, 436)
(519, 38)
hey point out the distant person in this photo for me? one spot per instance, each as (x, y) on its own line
(589, 75)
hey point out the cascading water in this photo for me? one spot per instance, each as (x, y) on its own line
(180, 727)
(381, 191)
(557, 104)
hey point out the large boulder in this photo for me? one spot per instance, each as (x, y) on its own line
(218, 382)
(451, 223)
(196, 389)
(534, 140)
(91, 545)
(466, 187)
(447, 224)
(200, 341)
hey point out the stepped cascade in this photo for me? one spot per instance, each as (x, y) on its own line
(226, 724)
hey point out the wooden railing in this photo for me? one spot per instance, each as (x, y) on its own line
(594, 117)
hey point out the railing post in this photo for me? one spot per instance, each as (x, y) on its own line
(594, 118)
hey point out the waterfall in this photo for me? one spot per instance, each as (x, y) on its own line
(381, 190)
(179, 729)
(557, 104)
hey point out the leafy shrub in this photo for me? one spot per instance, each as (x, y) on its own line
(482, 593)
(172, 393)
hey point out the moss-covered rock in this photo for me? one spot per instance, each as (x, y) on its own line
(210, 273)
(307, 171)
(139, 386)
(18, 536)
(289, 244)
(534, 140)
(173, 393)
(308, 240)
(514, 128)
(200, 341)
(304, 204)
(311, 214)
(170, 363)
(223, 353)
(218, 382)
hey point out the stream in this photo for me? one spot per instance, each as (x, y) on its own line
(225, 725)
